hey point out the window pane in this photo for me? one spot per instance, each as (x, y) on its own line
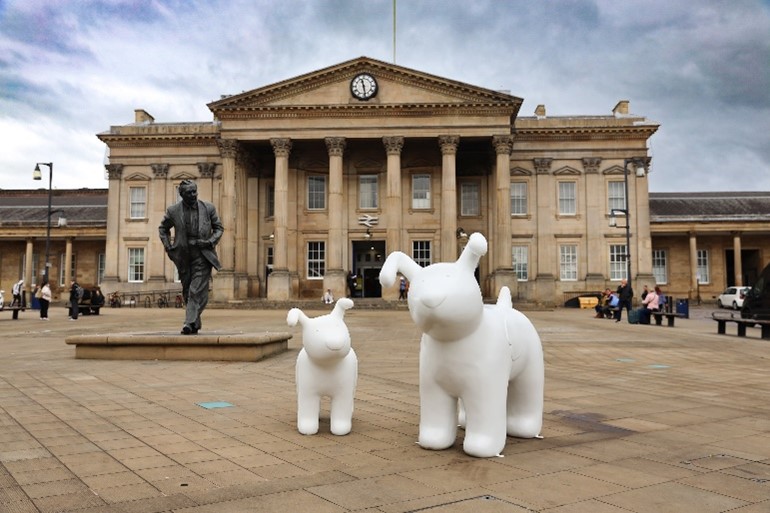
(367, 191)
(618, 265)
(616, 196)
(521, 262)
(519, 198)
(316, 192)
(100, 271)
(62, 274)
(135, 264)
(270, 209)
(421, 191)
(138, 202)
(567, 198)
(568, 263)
(703, 266)
(316, 260)
(660, 266)
(421, 252)
(469, 199)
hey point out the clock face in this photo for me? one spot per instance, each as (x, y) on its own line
(363, 86)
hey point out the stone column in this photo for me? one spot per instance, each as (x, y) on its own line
(224, 281)
(693, 266)
(595, 225)
(157, 259)
(394, 212)
(279, 281)
(28, 267)
(642, 251)
(68, 277)
(112, 243)
(501, 241)
(547, 251)
(737, 261)
(206, 183)
(448, 144)
(334, 277)
(242, 163)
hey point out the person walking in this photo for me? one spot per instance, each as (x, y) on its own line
(45, 300)
(18, 288)
(625, 295)
(74, 300)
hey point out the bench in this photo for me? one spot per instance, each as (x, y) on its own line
(15, 310)
(722, 319)
(670, 317)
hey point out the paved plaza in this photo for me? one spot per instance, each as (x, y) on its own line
(644, 419)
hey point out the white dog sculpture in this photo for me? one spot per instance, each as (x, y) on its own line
(489, 357)
(326, 366)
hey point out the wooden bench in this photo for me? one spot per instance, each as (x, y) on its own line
(670, 317)
(723, 318)
(15, 310)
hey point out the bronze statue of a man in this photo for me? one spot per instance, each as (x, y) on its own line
(197, 229)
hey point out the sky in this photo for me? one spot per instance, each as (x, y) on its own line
(70, 69)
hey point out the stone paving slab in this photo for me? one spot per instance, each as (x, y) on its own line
(637, 419)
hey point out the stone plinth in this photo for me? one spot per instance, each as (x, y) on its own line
(240, 347)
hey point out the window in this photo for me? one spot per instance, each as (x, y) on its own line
(34, 268)
(420, 191)
(316, 192)
(568, 198)
(73, 268)
(470, 204)
(660, 266)
(521, 262)
(316, 260)
(568, 262)
(367, 191)
(100, 263)
(138, 202)
(135, 265)
(421, 252)
(616, 196)
(618, 265)
(703, 266)
(270, 203)
(519, 198)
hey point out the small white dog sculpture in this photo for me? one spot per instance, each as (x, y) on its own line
(489, 357)
(326, 366)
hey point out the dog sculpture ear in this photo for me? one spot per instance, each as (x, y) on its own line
(296, 315)
(395, 263)
(343, 304)
(474, 250)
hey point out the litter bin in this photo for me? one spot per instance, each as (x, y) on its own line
(683, 307)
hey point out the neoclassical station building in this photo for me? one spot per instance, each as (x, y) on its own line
(323, 175)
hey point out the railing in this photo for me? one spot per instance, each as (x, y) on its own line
(147, 299)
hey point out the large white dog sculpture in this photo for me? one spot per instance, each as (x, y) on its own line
(326, 366)
(489, 357)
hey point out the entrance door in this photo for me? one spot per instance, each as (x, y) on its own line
(368, 257)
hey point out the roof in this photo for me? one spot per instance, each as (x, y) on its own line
(81, 207)
(709, 206)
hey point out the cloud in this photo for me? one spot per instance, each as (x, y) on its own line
(69, 70)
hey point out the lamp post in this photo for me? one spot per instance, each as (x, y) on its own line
(37, 175)
(638, 163)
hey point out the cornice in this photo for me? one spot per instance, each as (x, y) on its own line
(149, 140)
(364, 110)
(584, 133)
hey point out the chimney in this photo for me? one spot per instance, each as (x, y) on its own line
(621, 109)
(540, 111)
(141, 116)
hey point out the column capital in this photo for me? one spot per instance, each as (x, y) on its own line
(281, 146)
(228, 148)
(591, 164)
(448, 144)
(335, 146)
(160, 171)
(207, 169)
(393, 144)
(543, 165)
(503, 144)
(114, 171)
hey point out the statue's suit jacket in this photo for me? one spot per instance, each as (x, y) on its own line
(210, 229)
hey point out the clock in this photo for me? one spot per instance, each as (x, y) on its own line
(363, 86)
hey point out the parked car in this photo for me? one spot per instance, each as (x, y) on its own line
(757, 303)
(732, 297)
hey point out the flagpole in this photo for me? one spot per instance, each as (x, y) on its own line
(394, 31)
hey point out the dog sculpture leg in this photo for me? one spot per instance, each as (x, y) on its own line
(438, 417)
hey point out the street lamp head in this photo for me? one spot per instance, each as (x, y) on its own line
(640, 170)
(613, 220)
(36, 174)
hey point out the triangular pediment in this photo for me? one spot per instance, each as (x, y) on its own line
(567, 170)
(329, 88)
(613, 170)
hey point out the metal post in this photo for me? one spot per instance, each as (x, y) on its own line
(628, 223)
(36, 176)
